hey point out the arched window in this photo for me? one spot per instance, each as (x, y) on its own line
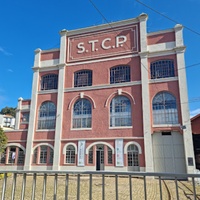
(133, 158)
(83, 78)
(70, 154)
(162, 69)
(47, 115)
(43, 155)
(119, 74)
(165, 109)
(15, 155)
(49, 82)
(82, 113)
(120, 112)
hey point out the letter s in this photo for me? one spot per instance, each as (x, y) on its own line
(81, 46)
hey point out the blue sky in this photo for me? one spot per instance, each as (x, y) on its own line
(26, 25)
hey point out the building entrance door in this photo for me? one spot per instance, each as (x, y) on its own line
(133, 158)
(99, 157)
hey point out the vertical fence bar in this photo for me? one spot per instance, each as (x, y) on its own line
(90, 187)
(23, 187)
(44, 187)
(13, 186)
(78, 187)
(177, 194)
(55, 186)
(130, 186)
(34, 186)
(4, 186)
(145, 188)
(160, 186)
(194, 189)
(103, 186)
(66, 186)
(116, 187)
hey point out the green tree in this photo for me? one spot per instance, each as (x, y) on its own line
(8, 111)
(3, 140)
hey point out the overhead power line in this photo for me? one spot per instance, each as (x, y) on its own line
(176, 22)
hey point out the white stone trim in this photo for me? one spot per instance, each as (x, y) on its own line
(161, 47)
(99, 142)
(101, 60)
(146, 113)
(136, 144)
(96, 87)
(17, 145)
(121, 127)
(47, 63)
(18, 114)
(41, 144)
(66, 145)
(163, 80)
(100, 139)
(79, 97)
(48, 91)
(123, 93)
(187, 136)
(59, 114)
(32, 120)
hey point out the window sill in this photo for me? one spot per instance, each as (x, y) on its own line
(121, 127)
(166, 125)
(43, 130)
(81, 129)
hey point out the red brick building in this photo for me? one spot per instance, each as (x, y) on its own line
(109, 98)
(195, 123)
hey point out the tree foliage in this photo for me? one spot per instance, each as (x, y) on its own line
(8, 111)
(3, 140)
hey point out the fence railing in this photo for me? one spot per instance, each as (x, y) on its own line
(98, 185)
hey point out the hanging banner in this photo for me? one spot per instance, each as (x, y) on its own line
(81, 153)
(119, 154)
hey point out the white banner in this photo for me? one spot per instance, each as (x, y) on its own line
(81, 153)
(119, 154)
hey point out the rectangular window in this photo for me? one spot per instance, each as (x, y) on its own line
(83, 78)
(43, 154)
(90, 156)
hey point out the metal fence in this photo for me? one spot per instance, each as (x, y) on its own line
(99, 185)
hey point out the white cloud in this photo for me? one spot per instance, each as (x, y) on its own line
(5, 52)
(194, 112)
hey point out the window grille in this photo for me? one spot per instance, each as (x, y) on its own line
(12, 154)
(82, 114)
(133, 155)
(43, 154)
(162, 69)
(35, 156)
(90, 156)
(120, 112)
(25, 117)
(119, 74)
(2, 158)
(51, 156)
(110, 160)
(21, 157)
(83, 78)
(70, 154)
(47, 116)
(49, 82)
(165, 109)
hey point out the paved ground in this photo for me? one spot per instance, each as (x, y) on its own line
(152, 187)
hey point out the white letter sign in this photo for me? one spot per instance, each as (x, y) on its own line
(119, 153)
(81, 153)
